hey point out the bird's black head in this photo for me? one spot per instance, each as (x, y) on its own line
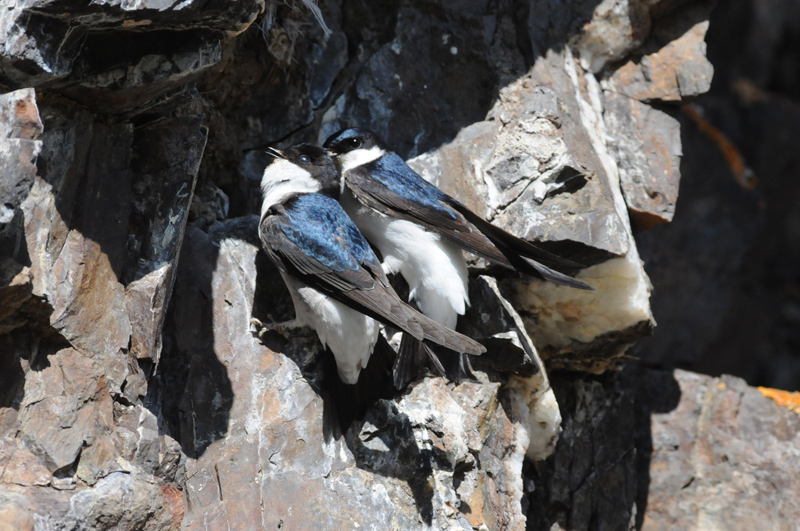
(316, 162)
(348, 140)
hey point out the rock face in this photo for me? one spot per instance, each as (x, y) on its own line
(738, 315)
(133, 394)
(708, 453)
(722, 438)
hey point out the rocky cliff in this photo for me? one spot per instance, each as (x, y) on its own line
(132, 392)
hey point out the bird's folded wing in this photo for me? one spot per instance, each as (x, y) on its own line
(446, 221)
(505, 239)
(462, 227)
(297, 260)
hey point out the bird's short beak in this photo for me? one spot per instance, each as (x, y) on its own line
(330, 153)
(275, 153)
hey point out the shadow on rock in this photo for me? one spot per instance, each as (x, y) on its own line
(655, 392)
(599, 473)
(389, 446)
(192, 388)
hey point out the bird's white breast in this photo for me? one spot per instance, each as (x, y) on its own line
(435, 270)
(349, 334)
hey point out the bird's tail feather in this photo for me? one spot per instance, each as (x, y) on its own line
(522, 255)
(504, 239)
(412, 356)
(556, 277)
(344, 403)
(456, 365)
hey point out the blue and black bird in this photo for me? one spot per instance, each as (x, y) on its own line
(421, 231)
(335, 280)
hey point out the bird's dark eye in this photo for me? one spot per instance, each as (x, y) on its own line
(355, 142)
(304, 159)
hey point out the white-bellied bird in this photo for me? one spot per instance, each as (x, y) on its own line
(421, 231)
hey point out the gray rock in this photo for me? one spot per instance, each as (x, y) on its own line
(119, 501)
(20, 127)
(707, 452)
(492, 320)
(62, 411)
(166, 160)
(646, 143)
(734, 315)
(20, 466)
(511, 167)
(17, 286)
(592, 477)
(94, 217)
(677, 71)
(720, 454)
(147, 72)
(617, 28)
(133, 394)
(283, 106)
(46, 39)
(430, 75)
(74, 246)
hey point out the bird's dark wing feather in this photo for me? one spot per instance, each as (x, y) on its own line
(462, 227)
(503, 238)
(524, 255)
(364, 185)
(449, 223)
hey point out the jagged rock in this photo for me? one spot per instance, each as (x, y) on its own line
(448, 87)
(127, 374)
(16, 286)
(708, 453)
(107, 204)
(165, 161)
(511, 168)
(20, 127)
(493, 321)
(20, 466)
(735, 315)
(592, 475)
(44, 40)
(647, 145)
(645, 141)
(721, 455)
(118, 501)
(676, 71)
(148, 71)
(617, 28)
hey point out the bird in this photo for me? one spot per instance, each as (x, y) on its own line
(335, 280)
(421, 231)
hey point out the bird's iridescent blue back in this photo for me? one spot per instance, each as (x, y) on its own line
(391, 171)
(321, 228)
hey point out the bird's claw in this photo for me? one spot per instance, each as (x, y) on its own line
(260, 329)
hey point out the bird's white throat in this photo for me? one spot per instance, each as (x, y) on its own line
(282, 179)
(357, 157)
